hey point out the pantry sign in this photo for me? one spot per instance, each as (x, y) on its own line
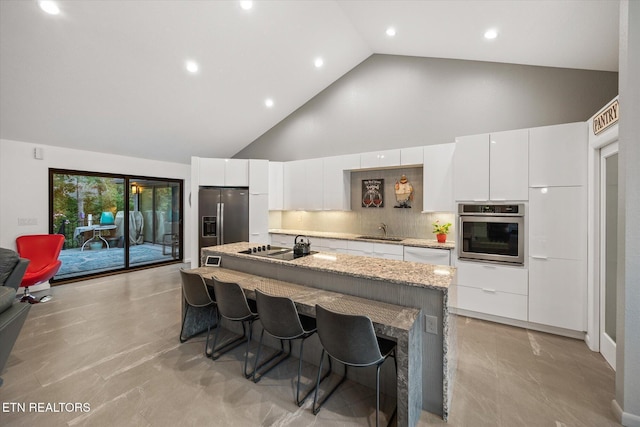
(607, 118)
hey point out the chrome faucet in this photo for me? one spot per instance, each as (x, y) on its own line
(383, 227)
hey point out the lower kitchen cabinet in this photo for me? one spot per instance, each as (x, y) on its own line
(557, 293)
(282, 240)
(322, 244)
(492, 289)
(489, 301)
(359, 248)
(427, 255)
(384, 250)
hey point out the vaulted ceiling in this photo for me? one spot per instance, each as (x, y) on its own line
(110, 76)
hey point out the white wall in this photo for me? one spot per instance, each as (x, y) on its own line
(391, 101)
(24, 183)
(628, 339)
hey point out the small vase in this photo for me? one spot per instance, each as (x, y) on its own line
(442, 238)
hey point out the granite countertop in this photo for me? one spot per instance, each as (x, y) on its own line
(393, 316)
(408, 241)
(408, 273)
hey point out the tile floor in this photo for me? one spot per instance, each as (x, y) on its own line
(112, 343)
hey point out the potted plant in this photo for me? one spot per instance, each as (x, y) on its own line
(441, 230)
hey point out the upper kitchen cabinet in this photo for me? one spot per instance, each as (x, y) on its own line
(558, 155)
(224, 172)
(438, 178)
(276, 186)
(471, 168)
(509, 165)
(492, 167)
(380, 159)
(303, 185)
(337, 181)
(258, 176)
(411, 156)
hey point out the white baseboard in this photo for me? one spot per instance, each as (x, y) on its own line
(625, 418)
(520, 323)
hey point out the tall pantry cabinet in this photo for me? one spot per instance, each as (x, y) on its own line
(558, 225)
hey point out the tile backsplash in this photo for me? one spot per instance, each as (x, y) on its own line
(401, 222)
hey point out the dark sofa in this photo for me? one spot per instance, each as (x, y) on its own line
(12, 312)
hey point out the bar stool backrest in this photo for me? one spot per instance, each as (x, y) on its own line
(194, 289)
(232, 303)
(279, 316)
(348, 338)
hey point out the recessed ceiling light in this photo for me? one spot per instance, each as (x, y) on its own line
(391, 31)
(318, 62)
(192, 66)
(268, 102)
(491, 34)
(49, 6)
(246, 5)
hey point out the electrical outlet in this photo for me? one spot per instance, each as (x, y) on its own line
(431, 324)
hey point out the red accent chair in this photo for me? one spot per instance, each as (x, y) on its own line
(43, 251)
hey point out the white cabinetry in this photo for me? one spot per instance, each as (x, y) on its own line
(558, 155)
(427, 255)
(558, 226)
(303, 185)
(276, 186)
(438, 178)
(282, 240)
(359, 248)
(337, 181)
(557, 257)
(259, 218)
(224, 172)
(380, 159)
(492, 289)
(471, 168)
(492, 166)
(259, 176)
(558, 292)
(411, 156)
(509, 165)
(259, 201)
(328, 245)
(388, 251)
(375, 250)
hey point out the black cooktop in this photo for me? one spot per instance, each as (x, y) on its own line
(274, 252)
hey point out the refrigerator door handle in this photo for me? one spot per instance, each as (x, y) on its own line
(218, 222)
(221, 223)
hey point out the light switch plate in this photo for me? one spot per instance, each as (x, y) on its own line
(431, 324)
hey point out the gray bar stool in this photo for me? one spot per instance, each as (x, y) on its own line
(351, 340)
(281, 320)
(233, 306)
(195, 295)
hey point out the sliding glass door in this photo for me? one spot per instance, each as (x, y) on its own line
(114, 222)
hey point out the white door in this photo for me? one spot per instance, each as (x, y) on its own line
(608, 250)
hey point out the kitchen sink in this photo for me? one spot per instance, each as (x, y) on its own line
(387, 239)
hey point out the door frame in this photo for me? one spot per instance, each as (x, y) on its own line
(606, 350)
(596, 143)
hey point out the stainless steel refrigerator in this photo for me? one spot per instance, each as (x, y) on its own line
(224, 215)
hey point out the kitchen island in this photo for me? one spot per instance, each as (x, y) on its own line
(420, 286)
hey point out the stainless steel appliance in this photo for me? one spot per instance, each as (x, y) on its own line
(224, 216)
(491, 233)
